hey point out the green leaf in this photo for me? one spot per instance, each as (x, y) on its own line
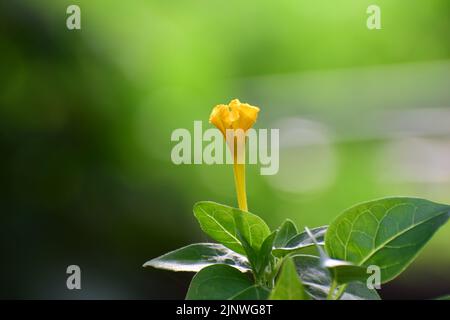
(344, 271)
(388, 233)
(221, 222)
(264, 254)
(286, 231)
(250, 252)
(252, 293)
(317, 280)
(288, 285)
(251, 227)
(300, 241)
(217, 221)
(258, 259)
(197, 256)
(218, 282)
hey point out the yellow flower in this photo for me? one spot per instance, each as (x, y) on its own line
(235, 115)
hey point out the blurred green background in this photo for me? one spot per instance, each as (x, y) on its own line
(86, 118)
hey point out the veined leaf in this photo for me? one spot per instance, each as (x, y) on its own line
(218, 282)
(388, 233)
(251, 227)
(289, 285)
(217, 221)
(220, 222)
(317, 280)
(252, 293)
(300, 241)
(197, 256)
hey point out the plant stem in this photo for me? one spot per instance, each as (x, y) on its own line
(340, 292)
(332, 289)
(275, 268)
(239, 180)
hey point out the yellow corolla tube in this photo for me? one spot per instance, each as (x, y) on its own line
(232, 119)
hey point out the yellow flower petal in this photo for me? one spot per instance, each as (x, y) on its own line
(235, 115)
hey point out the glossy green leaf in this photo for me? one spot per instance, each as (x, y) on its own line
(288, 285)
(197, 256)
(388, 233)
(344, 271)
(341, 271)
(317, 280)
(286, 231)
(218, 282)
(220, 222)
(252, 293)
(300, 241)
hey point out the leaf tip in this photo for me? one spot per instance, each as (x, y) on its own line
(149, 263)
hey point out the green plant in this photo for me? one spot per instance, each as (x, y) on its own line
(252, 262)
